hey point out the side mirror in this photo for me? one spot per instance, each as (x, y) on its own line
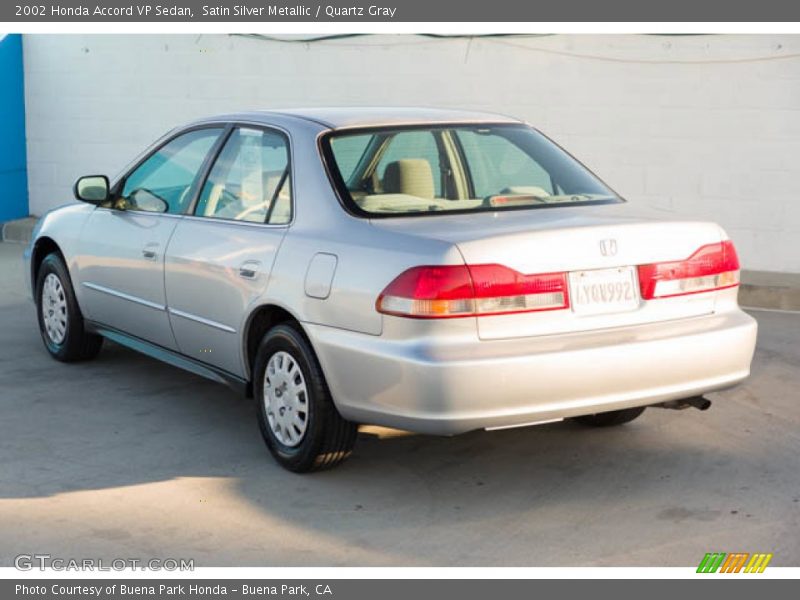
(93, 189)
(145, 200)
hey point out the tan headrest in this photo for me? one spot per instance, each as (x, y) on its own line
(411, 176)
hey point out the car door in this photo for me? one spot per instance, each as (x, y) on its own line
(121, 251)
(219, 259)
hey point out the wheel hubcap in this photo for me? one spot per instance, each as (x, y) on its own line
(286, 399)
(54, 308)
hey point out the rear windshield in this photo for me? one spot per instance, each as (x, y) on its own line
(429, 170)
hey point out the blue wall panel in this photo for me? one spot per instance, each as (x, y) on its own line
(13, 162)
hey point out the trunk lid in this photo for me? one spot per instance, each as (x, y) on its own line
(592, 244)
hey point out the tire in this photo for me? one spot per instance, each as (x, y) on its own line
(298, 420)
(60, 320)
(611, 418)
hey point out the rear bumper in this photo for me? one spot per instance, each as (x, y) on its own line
(454, 388)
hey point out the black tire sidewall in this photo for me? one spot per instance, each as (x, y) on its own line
(287, 339)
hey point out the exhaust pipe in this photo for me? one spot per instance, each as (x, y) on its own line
(698, 402)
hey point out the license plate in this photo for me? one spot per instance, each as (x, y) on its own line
(603, 291)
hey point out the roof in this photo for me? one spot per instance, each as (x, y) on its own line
(367, 116)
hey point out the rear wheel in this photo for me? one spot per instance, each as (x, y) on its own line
(60, 320)
(611, 418)
(298, 420)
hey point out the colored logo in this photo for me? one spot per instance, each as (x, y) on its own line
(736, 562)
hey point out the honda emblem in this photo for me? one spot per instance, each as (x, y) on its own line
(608, 247)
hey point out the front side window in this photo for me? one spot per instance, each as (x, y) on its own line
(250, 180)
(162, 183)
(470, 168)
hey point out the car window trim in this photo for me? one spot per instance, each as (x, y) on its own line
(457, 167)
(462, 159)
(173, 135)
(231, 127)
(445, 163)
(273, 201)
(206, 167)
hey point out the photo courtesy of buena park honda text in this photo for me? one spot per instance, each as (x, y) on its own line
(399, 299)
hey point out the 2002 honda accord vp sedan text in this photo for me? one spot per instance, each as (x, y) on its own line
(435, 271)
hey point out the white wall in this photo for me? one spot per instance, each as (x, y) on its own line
(698, 126)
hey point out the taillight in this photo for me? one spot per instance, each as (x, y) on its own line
(433, 292)
(712, 267)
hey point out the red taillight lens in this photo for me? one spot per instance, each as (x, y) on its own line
(712, 267)
(471, 290)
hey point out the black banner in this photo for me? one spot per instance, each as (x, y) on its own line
(355, 11)
(371, 589)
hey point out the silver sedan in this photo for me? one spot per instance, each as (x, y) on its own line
(435, 271)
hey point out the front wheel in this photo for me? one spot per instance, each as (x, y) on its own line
(296, 415)
(611, 418)
(60, 319)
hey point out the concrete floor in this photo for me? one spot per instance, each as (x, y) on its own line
(127, 457)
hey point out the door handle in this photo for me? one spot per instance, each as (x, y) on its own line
(150, 251)
(249, 269)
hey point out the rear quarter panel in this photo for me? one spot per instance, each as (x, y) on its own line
(366, 261)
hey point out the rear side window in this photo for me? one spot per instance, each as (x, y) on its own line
(250, 180)
(163, 181)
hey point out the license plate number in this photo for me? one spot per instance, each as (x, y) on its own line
(603, 291)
